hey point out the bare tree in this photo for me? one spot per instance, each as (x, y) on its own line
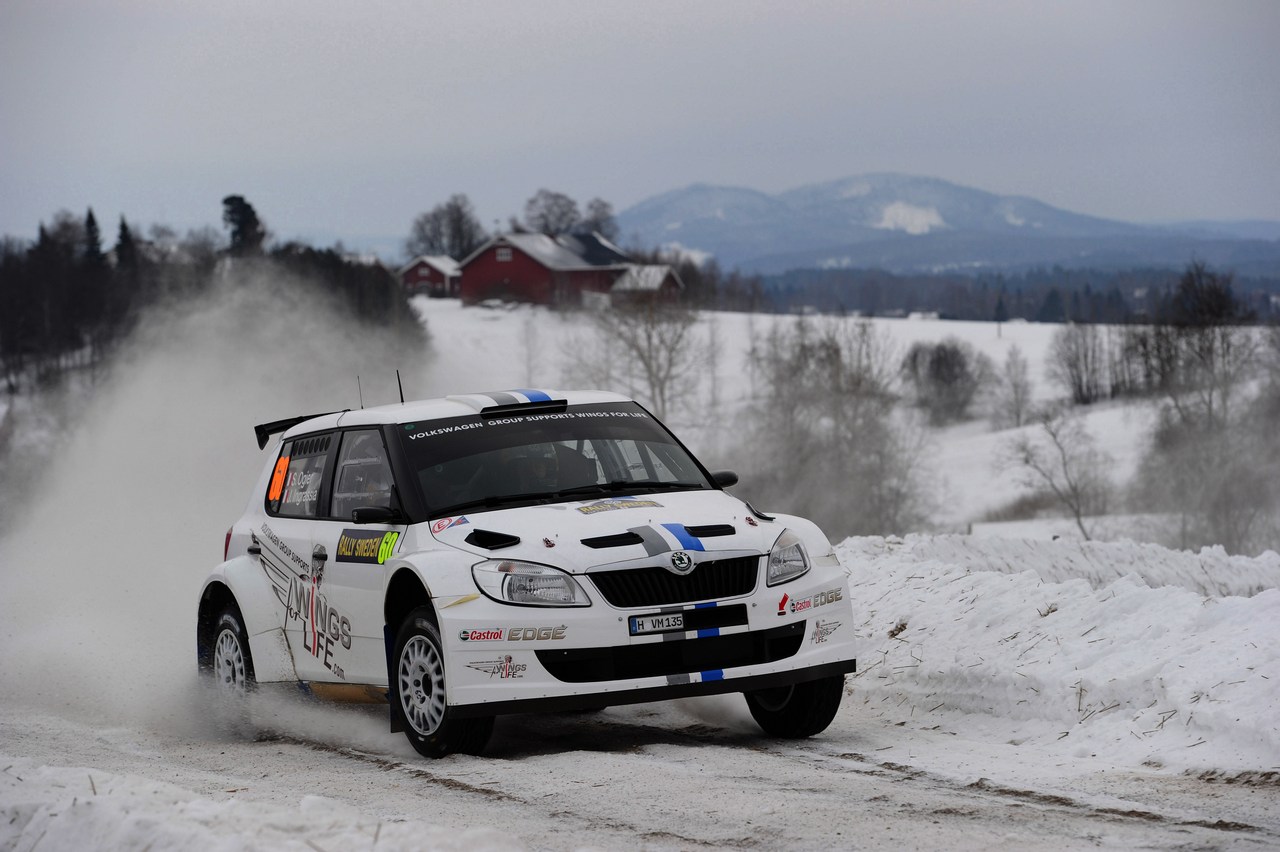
(946, 378)
(1077, 361)
(1217, 353)
(659, 352)
(1211, 461)
(551, 213)
(824, 435)
(599, 219)
(450, 229)
(1061, 456)
(1013, 391)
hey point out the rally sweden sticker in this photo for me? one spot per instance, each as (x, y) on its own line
(371, 547)
(615, 503)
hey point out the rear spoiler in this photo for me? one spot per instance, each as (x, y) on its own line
(266, 430)
(550, 406)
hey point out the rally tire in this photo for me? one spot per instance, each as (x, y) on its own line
(230, 666)
(418, 685)
(797, 711)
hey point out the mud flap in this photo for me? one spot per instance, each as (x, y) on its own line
(393, 698)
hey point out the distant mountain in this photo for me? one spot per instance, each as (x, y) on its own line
(904, 223)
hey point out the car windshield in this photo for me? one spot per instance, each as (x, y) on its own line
(468, 463)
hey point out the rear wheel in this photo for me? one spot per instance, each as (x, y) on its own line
(231, 667)
(799, 710)
(226, 669)
(419, 687)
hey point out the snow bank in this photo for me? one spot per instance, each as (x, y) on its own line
(1210, 572)
(76, 808)
(1088, 649)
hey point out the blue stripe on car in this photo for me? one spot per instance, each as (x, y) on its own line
(687, 541)
(534, 395)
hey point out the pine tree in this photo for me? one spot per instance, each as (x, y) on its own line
(247, 232)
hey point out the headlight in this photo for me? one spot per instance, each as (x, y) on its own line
(526, 583)
(787, 560)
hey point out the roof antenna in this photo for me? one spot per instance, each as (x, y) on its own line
(359, 392)
(401, 386)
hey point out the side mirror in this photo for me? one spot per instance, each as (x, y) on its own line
(724, 478)
(374, 515)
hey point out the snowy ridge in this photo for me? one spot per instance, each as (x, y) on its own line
(1211, 572)
(1031, 643)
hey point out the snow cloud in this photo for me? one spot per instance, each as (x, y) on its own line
(102, 569)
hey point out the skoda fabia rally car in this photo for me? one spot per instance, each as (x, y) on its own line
(474, 556)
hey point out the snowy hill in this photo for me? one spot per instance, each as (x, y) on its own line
(906, 223)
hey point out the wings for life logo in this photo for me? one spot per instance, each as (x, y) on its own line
(501, 668)
(823, 629)
(324, 628)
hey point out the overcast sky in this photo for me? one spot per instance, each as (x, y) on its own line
(343, 120)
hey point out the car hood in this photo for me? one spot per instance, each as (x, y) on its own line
(578, 535)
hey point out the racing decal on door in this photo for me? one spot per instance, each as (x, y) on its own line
(323, 626)
(370, 547)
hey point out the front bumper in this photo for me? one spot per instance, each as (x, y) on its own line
(504, 659)
(692, 689)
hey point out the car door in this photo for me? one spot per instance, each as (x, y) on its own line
(352, 601)
(288, 552)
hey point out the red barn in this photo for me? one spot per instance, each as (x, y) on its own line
(435, 275)
(541, 269)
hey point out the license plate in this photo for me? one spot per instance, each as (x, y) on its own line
(642, 624)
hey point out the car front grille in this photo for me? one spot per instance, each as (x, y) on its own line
(655, 586)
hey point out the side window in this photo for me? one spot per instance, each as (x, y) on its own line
(294, 491)
(364, 476)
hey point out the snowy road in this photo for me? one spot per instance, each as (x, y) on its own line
(647, 777)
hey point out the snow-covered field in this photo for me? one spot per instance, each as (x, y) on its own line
(1012, 693)
(533, 347)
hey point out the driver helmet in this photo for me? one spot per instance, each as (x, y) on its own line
(542, 466)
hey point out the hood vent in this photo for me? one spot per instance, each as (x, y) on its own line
(620, 540)
(711, 530)
(490, 540)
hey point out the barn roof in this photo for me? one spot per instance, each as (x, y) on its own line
(645, 279)
(566, 252)
(442, 262)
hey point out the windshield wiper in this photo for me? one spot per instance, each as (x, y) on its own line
(617, 485)
(493, 501)
(597, 487)
(670, 486)
(623, 485)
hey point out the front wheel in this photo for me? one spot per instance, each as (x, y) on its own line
(799, 710)
(419, 686)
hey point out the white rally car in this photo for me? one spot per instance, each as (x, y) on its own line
(480, 555)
